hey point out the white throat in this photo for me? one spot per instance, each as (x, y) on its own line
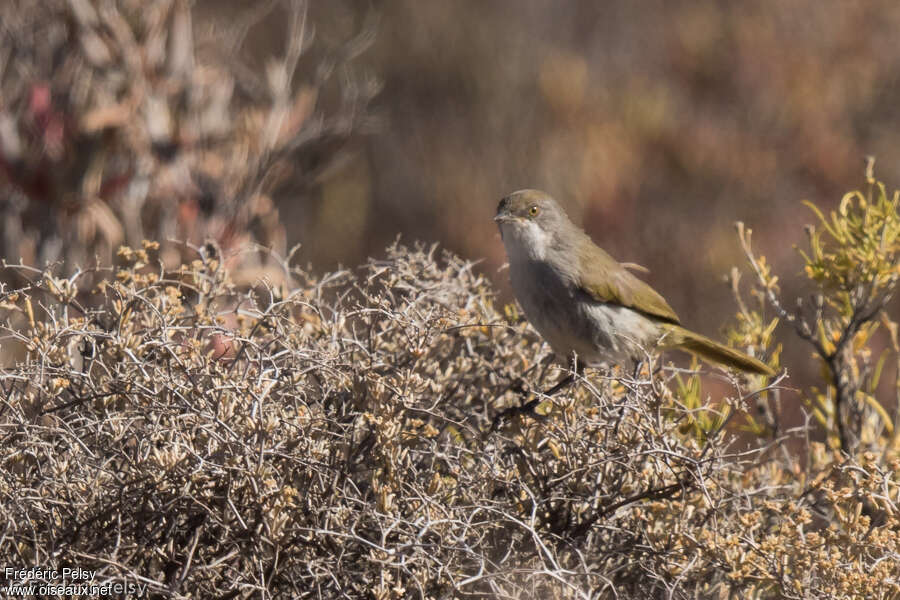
(525, 241)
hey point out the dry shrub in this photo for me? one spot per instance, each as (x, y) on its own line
(360, 435)
(123, 120)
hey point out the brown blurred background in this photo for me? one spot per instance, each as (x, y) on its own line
(657, 124)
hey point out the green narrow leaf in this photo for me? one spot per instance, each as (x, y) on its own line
(819, 214)
(876, 375)
(885, 417)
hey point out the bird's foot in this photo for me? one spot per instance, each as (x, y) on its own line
(520, 387)
(526, 408)
(562, 384)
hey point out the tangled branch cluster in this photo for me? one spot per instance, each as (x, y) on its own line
(332, 437)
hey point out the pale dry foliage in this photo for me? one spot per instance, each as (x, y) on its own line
(356, 436)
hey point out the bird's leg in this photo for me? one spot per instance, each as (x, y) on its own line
(527, 408)
(521, 387)
(638, 366)
(566, 381)
(639, 360)
(563, 383)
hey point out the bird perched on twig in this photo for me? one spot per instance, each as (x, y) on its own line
(582, 301)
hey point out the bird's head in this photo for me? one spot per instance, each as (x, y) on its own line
(529, 222)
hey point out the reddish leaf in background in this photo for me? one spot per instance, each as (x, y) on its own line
(49, 122)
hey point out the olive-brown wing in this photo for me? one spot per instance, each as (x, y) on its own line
(606, 280)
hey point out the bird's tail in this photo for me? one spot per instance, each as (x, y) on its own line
(676, 336)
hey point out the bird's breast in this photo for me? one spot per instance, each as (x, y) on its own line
(570, 321)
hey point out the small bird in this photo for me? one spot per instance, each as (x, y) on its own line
(585, 303)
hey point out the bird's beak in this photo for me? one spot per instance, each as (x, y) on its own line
(504, 218)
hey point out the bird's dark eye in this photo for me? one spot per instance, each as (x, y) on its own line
(534, 211)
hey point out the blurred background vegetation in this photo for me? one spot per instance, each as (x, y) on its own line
(339, 125)
(658, 124)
